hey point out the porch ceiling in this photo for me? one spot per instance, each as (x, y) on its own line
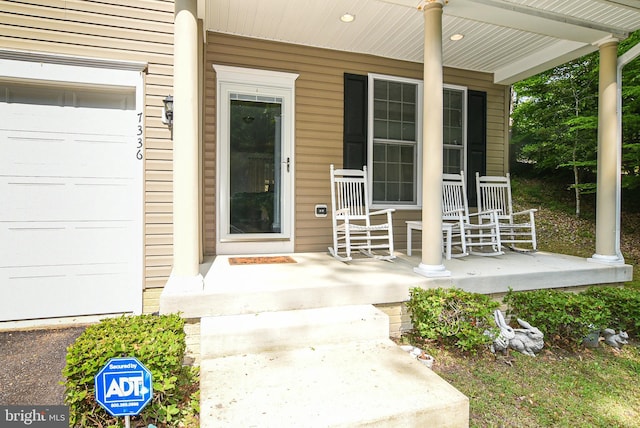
(512, 39)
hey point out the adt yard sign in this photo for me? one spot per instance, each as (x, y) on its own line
(123, 386)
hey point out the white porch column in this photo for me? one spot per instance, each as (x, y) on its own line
(185, 146)
(431, 264)
(608, 157)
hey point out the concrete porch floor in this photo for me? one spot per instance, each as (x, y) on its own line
(318, 280)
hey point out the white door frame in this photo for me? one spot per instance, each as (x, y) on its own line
(261, 83)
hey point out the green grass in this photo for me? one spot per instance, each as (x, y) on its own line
(558, 388)
(592, 388)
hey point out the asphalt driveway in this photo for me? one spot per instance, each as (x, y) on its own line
(31, 364)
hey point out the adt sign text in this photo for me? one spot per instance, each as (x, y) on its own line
(123, 386)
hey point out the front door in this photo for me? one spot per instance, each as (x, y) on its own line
(255, 168)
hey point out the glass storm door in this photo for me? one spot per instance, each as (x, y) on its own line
(255, 158)
(255, 199)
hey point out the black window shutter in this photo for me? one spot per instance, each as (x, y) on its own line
(476, 141)
(355, 121)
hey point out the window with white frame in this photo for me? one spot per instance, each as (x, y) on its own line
(454, 128)
(394, 145)
(395, 137)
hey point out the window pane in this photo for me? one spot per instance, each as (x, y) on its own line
(406, 192)
(379, 173)
(394, 146)
(455, 118)
(393, 153)
(380, 129)
(455, 136)
(406, 154)
(395, 111)
(452, 161)
(453, 130)
(455, 99)
(395, 131)
(379, 109)
(408, 112)
(379, 153)
(393, 191)
(409, 132)
(409, 93)
(393, 172)
(406, 173)
(380, 90)
(395, 91)
(378, 191)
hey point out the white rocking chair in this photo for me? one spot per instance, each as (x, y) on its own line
(480, 239)
(516, 228)
(353, 229)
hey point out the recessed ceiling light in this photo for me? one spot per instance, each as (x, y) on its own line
(456, 37)
(347, 17)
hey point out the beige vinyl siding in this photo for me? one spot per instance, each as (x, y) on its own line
(124, 30)
(319, 122)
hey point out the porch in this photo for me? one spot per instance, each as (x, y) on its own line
(318, 280)
(283, 343)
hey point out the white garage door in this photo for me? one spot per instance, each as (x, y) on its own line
(70, 204)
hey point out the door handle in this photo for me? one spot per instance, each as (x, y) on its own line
(288, 163)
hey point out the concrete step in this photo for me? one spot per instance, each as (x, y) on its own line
(355, 384)
(267, 331)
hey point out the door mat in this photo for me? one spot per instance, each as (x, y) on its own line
(260, 260)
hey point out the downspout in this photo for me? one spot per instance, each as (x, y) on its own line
(623, 60)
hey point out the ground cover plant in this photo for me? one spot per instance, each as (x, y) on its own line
(564, 317)
(566, 385)
(452, 317)
(155, 340)
(572, 316)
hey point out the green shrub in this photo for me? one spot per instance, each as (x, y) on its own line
(452, 316)
(564, 318)
(623, 304)
(159, 343)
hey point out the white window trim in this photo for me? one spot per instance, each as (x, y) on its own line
(419, 104)
(465, 114)
(419, 107)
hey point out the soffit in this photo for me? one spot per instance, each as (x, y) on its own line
(512, 39)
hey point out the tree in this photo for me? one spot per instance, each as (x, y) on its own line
(554, 120)
(631, 116)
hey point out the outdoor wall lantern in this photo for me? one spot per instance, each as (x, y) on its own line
(167, 111)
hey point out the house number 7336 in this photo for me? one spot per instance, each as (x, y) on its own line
(139, 132)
